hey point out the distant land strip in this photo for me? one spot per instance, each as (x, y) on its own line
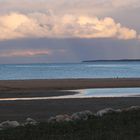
(67, 84)
(118, 60)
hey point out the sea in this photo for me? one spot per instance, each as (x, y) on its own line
(70, 70)
(102, 69)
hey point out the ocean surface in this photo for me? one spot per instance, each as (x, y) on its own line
(70, 70)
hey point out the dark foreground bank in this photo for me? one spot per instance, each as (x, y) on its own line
(112, 126)
(41, 110)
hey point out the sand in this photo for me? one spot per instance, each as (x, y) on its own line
(64, 84)
(41, 110)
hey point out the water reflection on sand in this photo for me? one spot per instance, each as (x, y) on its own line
(87, 93)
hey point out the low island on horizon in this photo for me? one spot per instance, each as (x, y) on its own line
(112, 60)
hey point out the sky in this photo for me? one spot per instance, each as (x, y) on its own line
(60, 31)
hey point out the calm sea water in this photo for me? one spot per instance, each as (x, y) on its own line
(75, 70)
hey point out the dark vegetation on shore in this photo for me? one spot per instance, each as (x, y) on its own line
(112, 126)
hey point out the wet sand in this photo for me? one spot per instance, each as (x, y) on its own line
(66, 84)
(33, 93)
(42, 109)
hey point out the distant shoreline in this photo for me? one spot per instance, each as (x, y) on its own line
(117, 60)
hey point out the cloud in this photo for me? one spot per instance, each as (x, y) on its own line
(96, 7)
(74, 4)
(17, 25)
(24, 53)
(43, 25)
(124, 4)
(103, 28)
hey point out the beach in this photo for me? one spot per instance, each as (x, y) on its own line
(41, 110)
(66, 84)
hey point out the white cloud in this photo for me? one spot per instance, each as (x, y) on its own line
(104, 28)
(43, 25)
